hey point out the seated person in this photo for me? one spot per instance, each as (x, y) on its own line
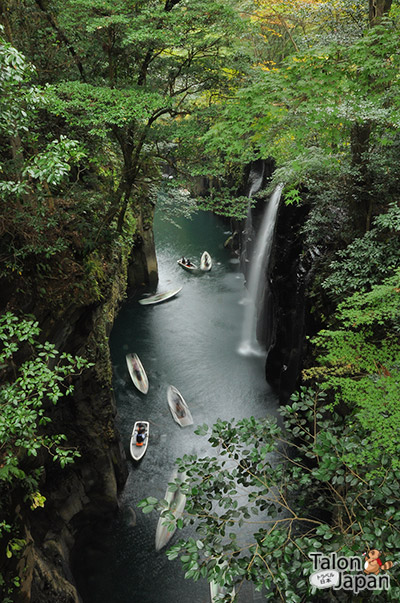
(180, 411)
(140, 435)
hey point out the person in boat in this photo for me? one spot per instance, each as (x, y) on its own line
(179, 409)
(136, 370)
(188, 262)
(140, 435)
(183, 259)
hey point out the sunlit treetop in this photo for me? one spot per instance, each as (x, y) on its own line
(310, 22)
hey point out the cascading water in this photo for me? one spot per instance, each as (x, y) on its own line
(256, 177)
(254, 184)
(249, 345)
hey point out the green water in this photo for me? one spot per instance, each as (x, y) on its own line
(191, 342)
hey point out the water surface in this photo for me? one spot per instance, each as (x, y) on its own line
(190, 342)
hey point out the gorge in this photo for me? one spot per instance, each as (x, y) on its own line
(113, 115)
(190, 342)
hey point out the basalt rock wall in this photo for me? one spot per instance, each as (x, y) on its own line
(86, 492)
(284, 316)
(142, 266)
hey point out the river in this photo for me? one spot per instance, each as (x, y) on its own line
(191, 342)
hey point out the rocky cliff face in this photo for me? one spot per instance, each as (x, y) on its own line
(142, 267)
(286, 317)
(88, 489)
(80, 495)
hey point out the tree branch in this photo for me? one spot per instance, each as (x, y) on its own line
(61, 36)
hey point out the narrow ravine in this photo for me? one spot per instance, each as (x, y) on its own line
(190, 342)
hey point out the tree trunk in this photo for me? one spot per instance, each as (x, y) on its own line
(42, 4)
(377, 9)
(124, 206)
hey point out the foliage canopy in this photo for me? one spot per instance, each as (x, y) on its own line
(269, 496)
(34, 377)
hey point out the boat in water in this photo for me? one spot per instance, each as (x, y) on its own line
(205, 262)
(217, 590)
(137, 373)
(178, 407)
(187, 265)
(176, 504)
(139, 439)
(159, 297)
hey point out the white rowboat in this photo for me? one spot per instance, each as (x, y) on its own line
(191, 267)
(217, 589)
(137, 373)
(176, 503)
(178, 407)
(138, 449)
(205, 262)
(159, 297)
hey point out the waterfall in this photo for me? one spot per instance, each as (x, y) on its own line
(259, 261)
(256, 177)
(255, 182)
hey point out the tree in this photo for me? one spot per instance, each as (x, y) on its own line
(270, 496)
(133, 69)
(29, 388)
(288, 27)
(359, 358)
(367, 260)
(328, 111)
(377, 10)
(35, 170)
(25, 392)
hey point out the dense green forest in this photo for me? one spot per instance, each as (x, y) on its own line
(99, 100)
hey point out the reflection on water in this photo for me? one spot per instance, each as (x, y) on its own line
(189, 342)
